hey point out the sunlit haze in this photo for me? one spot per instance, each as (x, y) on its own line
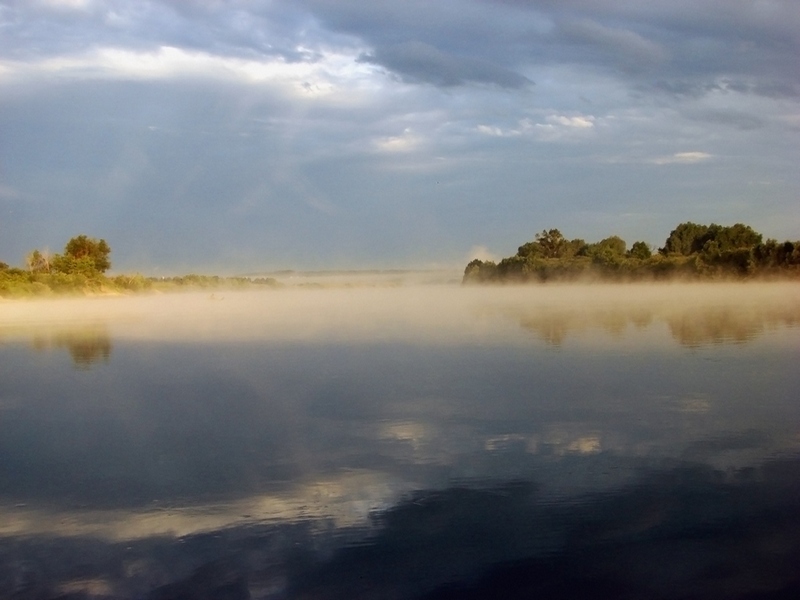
(417, 313)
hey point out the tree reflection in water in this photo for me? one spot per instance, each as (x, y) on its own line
(689, 326)
(85, 346)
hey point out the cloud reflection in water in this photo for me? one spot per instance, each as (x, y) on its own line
(403, 443)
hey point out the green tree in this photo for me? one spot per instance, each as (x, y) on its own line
(548, 244)
(719, 238)
(691, 250)
(640, 250)
(613, 246)
(479, 271)
(552, 242)
(685, 239)
(84, 254)
(576, 247)
(38, 262)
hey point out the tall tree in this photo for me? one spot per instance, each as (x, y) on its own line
(640, 250)
(38, 262)
(96, 251)
(614, 245)
(685, 239)
(735, 237)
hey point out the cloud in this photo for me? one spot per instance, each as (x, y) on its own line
(334, 75)
(406, 142)
(491, 130)
(683, 158)
(420, 62)
(733, 118)
(694, 88)
(560, 127)
(554, 127)
(417, 121)
(627, 48)
(581, 122)
(80, 5)
(685, 45)
(522, 128)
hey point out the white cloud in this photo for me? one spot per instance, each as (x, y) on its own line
(490, 130)
(66, 4)
(579, 122)
(555, 127)
(494, 131)
(406, 142)
(333, 72)
(560, 127)
(682, 158)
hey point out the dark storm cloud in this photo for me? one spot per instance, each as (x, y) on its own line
(418, 61)
(678, 42)
(447, 43)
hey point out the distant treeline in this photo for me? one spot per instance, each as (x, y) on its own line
(691, 251)
(80, 270)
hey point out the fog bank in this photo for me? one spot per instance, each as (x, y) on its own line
(416, 313)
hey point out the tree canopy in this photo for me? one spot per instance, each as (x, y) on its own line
(691, 238)
(691, 250)
(96, 251)
(81, 270)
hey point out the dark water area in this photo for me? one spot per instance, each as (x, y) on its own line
(422, 443)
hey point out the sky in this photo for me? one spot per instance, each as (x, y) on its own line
(241, 136)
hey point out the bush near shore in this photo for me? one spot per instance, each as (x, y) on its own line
(691, 252)
(18, 283)
(80, 271)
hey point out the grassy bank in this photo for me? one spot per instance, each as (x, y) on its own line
(19, 283)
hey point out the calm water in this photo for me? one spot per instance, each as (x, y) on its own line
(412, 442)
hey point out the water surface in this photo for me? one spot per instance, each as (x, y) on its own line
(403, 442)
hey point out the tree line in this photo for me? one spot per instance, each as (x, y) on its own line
(691, 251)
(82, 255)
(81, 269)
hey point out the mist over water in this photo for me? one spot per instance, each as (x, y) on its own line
(403, 441)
